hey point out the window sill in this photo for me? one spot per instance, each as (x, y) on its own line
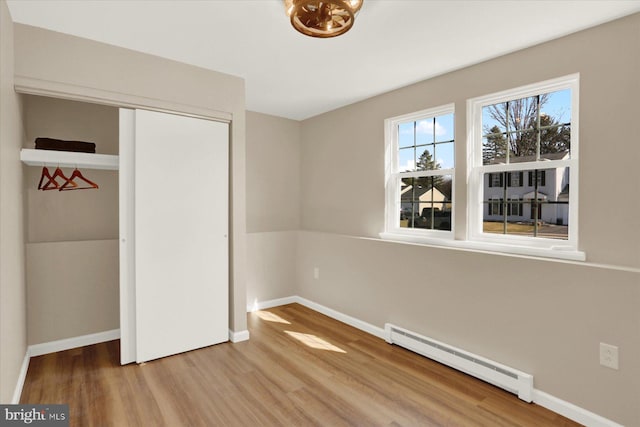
(487, 247)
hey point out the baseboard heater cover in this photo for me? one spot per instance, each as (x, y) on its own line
(507, 378)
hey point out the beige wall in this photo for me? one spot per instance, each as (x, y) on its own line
(13, 330)
(541, 316)
(71, 120)
(72, 289)
(271, 266)
(273, 173)
(273, 206)
(65, 66)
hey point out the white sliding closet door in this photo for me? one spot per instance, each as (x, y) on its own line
(180, 228)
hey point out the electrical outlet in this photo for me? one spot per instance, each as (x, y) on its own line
(316, 273)
(609, 355)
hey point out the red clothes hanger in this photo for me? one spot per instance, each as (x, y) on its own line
(45, 174)
(52, 183)
(70, 184)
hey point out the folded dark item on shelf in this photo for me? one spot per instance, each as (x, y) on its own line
(60, 145)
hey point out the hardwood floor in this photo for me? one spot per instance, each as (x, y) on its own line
(299, 368)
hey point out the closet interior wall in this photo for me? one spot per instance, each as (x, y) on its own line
(72, 263)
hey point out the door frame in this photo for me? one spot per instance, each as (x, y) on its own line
(94, 95)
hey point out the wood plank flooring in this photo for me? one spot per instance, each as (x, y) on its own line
(300, 368)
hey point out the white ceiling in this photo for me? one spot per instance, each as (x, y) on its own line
(392, 44)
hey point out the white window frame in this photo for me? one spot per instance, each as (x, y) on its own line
(475, 171)
(393, 177)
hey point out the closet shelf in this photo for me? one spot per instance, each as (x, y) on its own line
(68, 159)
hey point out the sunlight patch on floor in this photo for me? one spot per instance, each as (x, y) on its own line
(314, 342)
(270, 317)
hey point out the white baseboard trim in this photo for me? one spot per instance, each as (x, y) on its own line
(571, 411)
(69, 343)
(344, 318)
(22, 376)
(541, 398)
(239, 336)
(261, 305)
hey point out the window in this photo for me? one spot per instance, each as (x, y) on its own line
(521, 179)
(515, 206)
(494, 207)
(515, 179)
(495, 180)
(524, 158)
(538, 177)
(420, 170)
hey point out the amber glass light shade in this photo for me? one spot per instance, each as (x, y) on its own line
(322, 18)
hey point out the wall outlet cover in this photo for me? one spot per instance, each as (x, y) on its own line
(609, 355)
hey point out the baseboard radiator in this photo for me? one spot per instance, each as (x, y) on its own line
(487, 370)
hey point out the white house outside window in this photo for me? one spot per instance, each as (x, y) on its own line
(523, 168)
(420, 170)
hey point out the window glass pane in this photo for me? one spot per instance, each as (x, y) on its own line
(555, 141)
(538, 208)
(523, 114)
(424, 131)
(425, 202)
(520, 228)
(406, 159)
(405, 134)
(443, 190)
(407, 189)
(444, 128)
(408, 214)
(555, 125)
(523, 146)
(408, 209)
(426, 160)
(557, 106)
(444, 155)
(494, 149)
(493, 119)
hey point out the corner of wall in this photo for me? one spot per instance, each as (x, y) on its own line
(13, 331)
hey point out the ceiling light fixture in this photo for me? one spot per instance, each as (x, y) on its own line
(322, 18)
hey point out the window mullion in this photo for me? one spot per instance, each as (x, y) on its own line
(423, 173)
(525, 166)
(433, 135)
(538, 128)
(507, 133)
(504, 201)
(536, 203)
(415, 152)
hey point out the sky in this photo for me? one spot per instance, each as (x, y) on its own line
(435, 137)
